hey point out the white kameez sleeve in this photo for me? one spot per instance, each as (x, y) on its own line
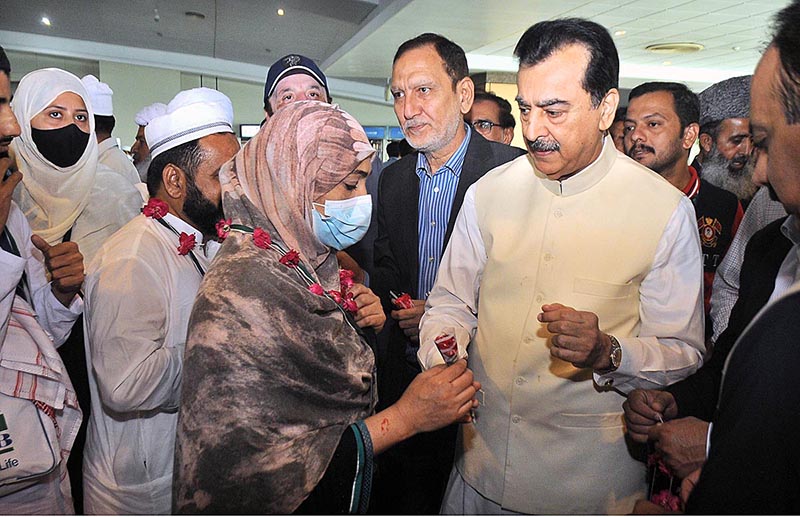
(670, 345)
(126, 318)
(54, 318)
(453, 302)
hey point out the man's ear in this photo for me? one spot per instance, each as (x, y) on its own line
(508, 135)
(466, 94)
(174, 181)
(690, 135)
(608, 108)
(706, 143)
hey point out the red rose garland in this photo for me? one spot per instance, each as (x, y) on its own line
(155, 208)
(263, 240)
(291, 259)
(223, 228)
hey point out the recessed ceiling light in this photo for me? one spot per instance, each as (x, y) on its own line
(281, 12)
(620, 33)
(195, 15)
(667, 63)
(737, 48)
(674, 48)
(46, 21)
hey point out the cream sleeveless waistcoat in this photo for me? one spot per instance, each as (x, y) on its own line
(547, 439)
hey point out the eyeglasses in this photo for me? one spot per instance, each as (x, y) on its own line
(485, 126)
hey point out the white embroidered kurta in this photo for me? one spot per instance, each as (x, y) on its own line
(139, 295)
(614, 239)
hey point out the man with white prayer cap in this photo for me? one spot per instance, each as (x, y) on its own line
(149, 272)
(110, 155)
(139, 150)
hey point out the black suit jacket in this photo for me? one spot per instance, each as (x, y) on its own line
(697, 394)
(753, 466)
(396, 247)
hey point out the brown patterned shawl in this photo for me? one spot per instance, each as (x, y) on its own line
(273, 374)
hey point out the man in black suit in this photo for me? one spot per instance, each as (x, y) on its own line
(688, 406)
(753, 464)
(420, 196)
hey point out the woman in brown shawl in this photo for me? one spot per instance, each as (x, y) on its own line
(279, 385)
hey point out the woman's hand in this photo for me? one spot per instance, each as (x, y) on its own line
(370, 311)
(435, 398)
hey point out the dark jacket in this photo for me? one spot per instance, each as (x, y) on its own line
(697, 394)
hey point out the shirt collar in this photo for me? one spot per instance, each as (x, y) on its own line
(692, 188)
(790, 230)
(454, 164)
(585, 179)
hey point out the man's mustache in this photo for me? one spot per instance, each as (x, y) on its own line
(641, 147)
(542, 145)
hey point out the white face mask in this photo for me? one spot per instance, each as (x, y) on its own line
(345, 221)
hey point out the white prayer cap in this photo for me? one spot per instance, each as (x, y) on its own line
(150, 112)
(192, 114)
(99, 95)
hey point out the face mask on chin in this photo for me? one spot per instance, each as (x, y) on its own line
(345, 221)
(62, 147)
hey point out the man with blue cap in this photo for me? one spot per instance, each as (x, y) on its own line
(294, 78)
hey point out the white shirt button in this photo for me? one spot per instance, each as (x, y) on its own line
(436, 189)
(520, 381)
(433, 223)
(431, 259)
(516, 419)
(558, 213)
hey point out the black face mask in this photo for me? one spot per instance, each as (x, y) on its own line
(63, 147)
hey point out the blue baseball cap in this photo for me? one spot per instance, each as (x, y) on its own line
(291, 65)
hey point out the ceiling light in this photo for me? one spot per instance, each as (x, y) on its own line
(195, 15)
(674, 48)
(620, 33)
(46, 21)
(667, 63)
(737, 48)
(281, 12)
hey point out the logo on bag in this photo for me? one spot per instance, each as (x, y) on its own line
(5, 436)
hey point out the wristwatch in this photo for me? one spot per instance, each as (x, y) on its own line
(616, 353)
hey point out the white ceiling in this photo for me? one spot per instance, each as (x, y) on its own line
(354, 40)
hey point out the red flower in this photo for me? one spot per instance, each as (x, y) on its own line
(263, 240)
(403, 301)
(349, 304)
(155, 208)
(346, 279)
(667, 499)
(187, 243)
(223, 227)
(290, 259)
(316, 289)
(336, 295)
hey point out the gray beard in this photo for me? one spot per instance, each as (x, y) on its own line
(716, 172)
(142, 167)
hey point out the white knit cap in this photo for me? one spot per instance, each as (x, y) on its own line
(99, 95)
(150, 112)
(192, 114)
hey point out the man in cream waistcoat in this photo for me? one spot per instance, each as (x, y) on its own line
(573, 275)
